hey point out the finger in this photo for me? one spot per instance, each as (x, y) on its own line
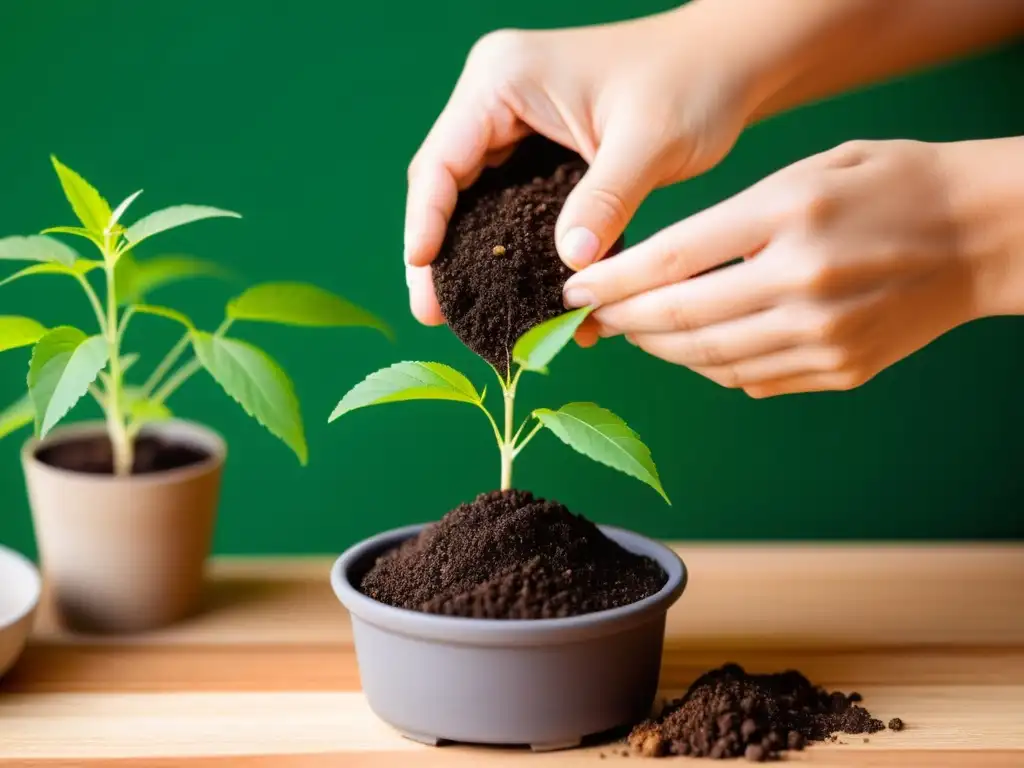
(734, 228)
(813, 382)
(748, 337)
(587, 334)
(422, 299)
(465, 138)
(728, 293)
(594, 216)
(791, 363)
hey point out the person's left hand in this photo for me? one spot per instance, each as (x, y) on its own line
(847, 262)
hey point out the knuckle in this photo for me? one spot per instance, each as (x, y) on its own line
(849, 153)
(853, 378)
(819, 204)
(725, 375)
(815, 276)
(678, 317)
(840, 359)
(613, 208)
(501, 51)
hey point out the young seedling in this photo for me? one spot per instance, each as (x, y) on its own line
(67, 363)
(593, 431)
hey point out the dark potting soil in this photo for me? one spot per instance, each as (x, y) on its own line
(729, 713)
(498, 273)
(509, 555)
(94, 455)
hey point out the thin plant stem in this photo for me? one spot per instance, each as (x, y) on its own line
(119, 438)
(528, 438)
(123, 325)
(180, 376)
(494, 424)
(507, 446)
(165, 365)
(94, 300)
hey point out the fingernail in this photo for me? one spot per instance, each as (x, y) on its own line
(577, 297)
(579, 247)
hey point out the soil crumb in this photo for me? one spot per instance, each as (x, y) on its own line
(730, 713)
(895, 724)
(498, 272)
(510, 555)
(95, 456)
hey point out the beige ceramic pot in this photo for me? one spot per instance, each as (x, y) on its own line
(125, 554)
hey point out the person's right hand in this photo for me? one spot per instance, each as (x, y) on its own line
(645, 103)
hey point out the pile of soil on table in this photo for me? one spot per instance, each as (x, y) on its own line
(498, 273)
(95, 455)
(730, 713)
(509, 555)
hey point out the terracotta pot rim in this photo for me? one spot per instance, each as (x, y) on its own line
(31, 600)
(205, 437)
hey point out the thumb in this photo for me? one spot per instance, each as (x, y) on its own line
(599, 208)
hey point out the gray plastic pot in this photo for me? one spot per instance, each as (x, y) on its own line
(546, 683)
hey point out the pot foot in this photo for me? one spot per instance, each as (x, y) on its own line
(555, 746)
(422, 738)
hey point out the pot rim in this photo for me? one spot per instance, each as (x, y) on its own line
(12, 555)
(207, 438)
(457, 630)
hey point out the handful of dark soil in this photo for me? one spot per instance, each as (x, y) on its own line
(729, 713)
(509, 555)
(498, 273)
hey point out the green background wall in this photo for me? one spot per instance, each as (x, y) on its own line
(303, 116)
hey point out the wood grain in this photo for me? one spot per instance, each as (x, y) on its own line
(266, 675)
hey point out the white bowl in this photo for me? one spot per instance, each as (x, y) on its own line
(20, 588)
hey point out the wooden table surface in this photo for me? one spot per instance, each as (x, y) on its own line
(266, 675)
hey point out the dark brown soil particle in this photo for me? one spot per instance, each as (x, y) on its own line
(895, 724)
(509, 555)
(730, 713)
(94, 455)
(498, 272)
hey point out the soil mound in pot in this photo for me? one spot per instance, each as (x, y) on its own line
(498, 273)
(95, 456)
(730, 713)
(509, 555)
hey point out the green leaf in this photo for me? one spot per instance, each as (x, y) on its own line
(36, 248)
(137, 278)
(169, 218)
(64, 363)
(81, 268)
(142, 409)
(17, 415)
(115, 217)
(89, 206)
(408, 381)
(170, 314)
(18, 331)
(252, 378)
(77, 231)
(604, 437)
(300, 304)
(539, 345)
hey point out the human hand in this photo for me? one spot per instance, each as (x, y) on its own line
(848, 262)
(645, 103)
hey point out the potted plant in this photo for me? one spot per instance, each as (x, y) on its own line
(124, 508)
(537, 654)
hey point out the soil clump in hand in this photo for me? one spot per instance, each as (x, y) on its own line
(510, 555)
(498, 272)
(730, 713)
